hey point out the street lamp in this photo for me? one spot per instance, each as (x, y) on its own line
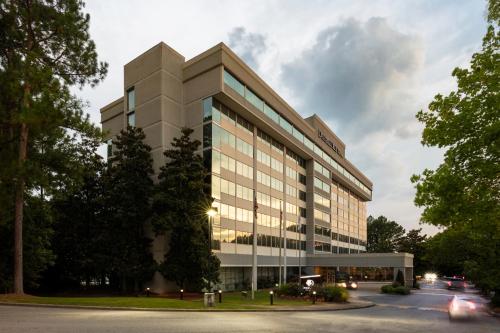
(211, 214)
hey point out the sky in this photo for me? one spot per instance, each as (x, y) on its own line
(365, 67)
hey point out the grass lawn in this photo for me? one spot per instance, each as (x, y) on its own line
(230, 300)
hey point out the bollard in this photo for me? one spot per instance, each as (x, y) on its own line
(314, 297)
(271, 297)
(182, 294)
(220, 296)
(148, 292)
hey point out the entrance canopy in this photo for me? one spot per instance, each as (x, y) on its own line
(402, 260)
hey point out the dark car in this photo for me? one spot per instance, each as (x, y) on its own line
(456, 283)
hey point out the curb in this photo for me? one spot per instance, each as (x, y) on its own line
(312, 308)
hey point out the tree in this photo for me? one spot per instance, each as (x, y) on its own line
(129, 188)
(180, 204)
(80, 233)
(413, 242)
(45, 48)
(447, 251)
(464, 191)
(383, 235)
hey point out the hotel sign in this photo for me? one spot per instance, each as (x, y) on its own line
(328, 142)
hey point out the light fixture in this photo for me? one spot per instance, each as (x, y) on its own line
(212, 211)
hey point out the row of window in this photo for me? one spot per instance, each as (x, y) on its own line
(234, 213)
(215, 111)
(266, 139)
(321, 200)
(321, 169)
(321, 185)
(347, 239)
(215, 136)
(322, 231)
(322, 247)
(221, 185)
(267, 180)
(267, 200)
(244, 91)
(320, 215)
(220, 160)
(269, 161)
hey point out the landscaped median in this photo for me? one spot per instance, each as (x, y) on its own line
(231, 301)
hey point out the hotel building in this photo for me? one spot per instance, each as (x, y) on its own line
(251, 140)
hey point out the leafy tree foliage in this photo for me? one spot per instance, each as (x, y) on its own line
(464, 191)
(415, 243)
(383, 235)
(129, 188)
(45, 48)
(180, 204)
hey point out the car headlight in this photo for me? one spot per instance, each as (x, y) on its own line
(354, 285)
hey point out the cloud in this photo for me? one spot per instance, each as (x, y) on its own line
(247, 45)
(358, 77)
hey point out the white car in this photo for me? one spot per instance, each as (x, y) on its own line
(462, 306)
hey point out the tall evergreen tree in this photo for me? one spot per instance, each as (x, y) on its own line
(45, 48)
(79, 242)
(180, 204)
(129, 188)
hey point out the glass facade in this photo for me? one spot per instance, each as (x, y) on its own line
(228, 149)
(266, 109)
(238, 153)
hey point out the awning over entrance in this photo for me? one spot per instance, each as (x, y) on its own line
(401, 260)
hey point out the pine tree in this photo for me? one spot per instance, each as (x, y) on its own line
(45, 49)
(180, 204)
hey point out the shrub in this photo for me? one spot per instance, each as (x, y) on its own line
(289, 289)
(387, 289)
(390, 289)
(332, 293)
(495, 300)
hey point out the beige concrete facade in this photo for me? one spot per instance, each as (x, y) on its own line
(274, 149)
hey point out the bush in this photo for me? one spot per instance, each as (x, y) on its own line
(390, 289)
(332, 293)
(495, 300)
(290, 289)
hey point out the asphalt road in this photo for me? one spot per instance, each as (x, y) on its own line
(424, 311)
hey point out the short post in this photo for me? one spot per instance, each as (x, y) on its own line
(182, 294)
(148, 292)
(271, 297)
(220, 296)
(314, 297)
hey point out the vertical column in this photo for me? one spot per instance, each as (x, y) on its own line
(254, 229)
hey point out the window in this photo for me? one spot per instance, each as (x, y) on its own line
(318, 183)
(276, 184)
(131, 99)
(321, 169)
(244, 170)
(276, 165)
(291, 173)
(322, 216)
(232, 82)
(254, 100)
(286, 125)
(302, 195)
(302, 179)
(244, 147)
(244, 192)
(131, 119)
(109, 147)
(268, 111)
(291, 190)
(320, 200)
(263, 158)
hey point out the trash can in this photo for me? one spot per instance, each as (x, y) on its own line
(209, 299)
